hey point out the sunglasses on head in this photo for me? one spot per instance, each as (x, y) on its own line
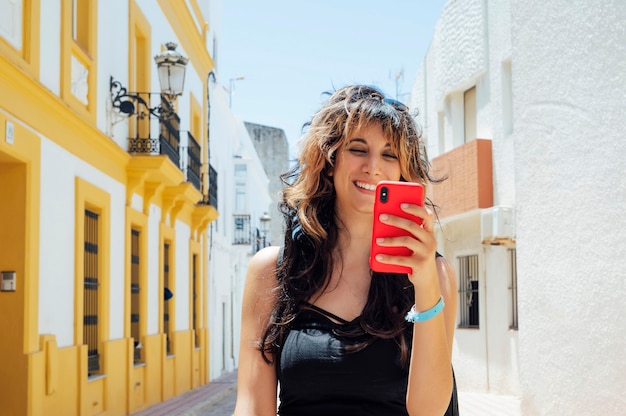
(361, 95)
(396, 104)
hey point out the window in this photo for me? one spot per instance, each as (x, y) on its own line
(240, 200)
(139, 72)
(513, 288)
(469, 114)
(91, 284)
(135, 292)
(240, 171)
(12, 22)
(166, 297)
(20, 33)
(80, 23)
(468, 291)
(78, 55)
(242, 230)
(240, 187)
(90, 291)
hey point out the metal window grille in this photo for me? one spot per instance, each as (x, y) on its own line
(243, 231)
(135, 293)
(513, 288)
(90, 292)
(468, 291)
(195, 299)
(166, 307)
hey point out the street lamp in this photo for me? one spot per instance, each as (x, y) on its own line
(231, 86)
(171, 67)
(265, 227)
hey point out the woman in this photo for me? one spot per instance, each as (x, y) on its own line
(317, 324)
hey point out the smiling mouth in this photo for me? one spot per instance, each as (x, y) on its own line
(366, 186)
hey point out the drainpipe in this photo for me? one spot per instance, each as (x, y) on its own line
(208, 142)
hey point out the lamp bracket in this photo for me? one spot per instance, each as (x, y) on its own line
(126, 102)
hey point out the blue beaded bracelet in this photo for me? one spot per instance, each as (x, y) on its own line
(414, 316)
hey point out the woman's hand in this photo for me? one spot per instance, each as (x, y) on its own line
(421, 242)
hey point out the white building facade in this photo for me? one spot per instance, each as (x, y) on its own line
(522, 105)
(119, 273)
(243, 198)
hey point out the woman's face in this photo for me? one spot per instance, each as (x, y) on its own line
(364, 160)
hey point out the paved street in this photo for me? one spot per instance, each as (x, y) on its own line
(225, 406)
(218, 399)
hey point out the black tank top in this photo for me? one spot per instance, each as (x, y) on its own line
(318, 376)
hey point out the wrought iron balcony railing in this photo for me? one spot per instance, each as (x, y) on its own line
(212, 187)
(245, 234)
(243, 231)
(190, 162)
(141, 141)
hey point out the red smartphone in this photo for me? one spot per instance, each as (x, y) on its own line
(389, 196)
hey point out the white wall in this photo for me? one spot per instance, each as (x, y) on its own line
(470, 42)
(502, 342)
(551, 91)
(569, 106)
(59, 169)
(154, 294)
(480, 363)
(227, 263)
(183, 282)
(50, 55)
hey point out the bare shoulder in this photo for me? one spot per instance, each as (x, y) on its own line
(264, 261)
(261, 274)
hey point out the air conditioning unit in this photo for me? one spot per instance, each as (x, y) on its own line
(497, 225)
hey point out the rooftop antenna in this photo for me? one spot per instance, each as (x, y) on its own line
(399, 76)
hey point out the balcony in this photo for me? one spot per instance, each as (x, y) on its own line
(243, 230)
(141, 141)
(248, 235)
(190, 162)
(164, 119)
(469, 183)
(212, 187)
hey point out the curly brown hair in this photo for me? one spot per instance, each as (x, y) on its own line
(308, 205)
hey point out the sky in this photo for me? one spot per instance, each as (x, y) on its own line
(280, 56)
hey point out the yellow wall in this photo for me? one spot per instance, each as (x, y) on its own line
(52, 374)
(19, 252)
(12, 258)
(37, 378)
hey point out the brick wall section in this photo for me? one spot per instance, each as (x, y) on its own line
(470, 184)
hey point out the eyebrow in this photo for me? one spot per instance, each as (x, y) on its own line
(361, 140)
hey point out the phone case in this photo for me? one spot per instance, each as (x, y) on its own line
(389, 196)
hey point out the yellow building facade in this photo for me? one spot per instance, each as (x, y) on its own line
(103, 233)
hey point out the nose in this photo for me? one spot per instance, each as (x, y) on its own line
(373, 164)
